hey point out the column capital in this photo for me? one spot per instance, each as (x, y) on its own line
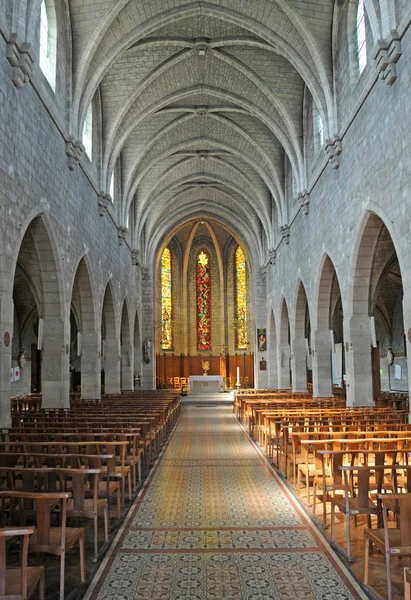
(74, 151)
(21, 58)
(272, 255)
(103, 203)
(285, 233)
(333, 149)
(304, 201)
(386, 54)
(121, 233)
(135, 257)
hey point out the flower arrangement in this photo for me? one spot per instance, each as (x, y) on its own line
(206, 366)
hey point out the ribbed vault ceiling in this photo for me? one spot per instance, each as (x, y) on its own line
(202, 103)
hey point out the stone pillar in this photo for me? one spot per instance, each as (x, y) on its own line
(6, 329)
(261, 378)
(283, 363)
(91, 365)
(55, 363)
(299, 365)
(406, 307)
(127, 367)
(112, 365)
(321, 362)
(148, 371)
(358, 362)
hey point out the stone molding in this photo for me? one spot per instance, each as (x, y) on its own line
(145, 273)
(285, 233)
(121, 233)
(74, 151)
(272, 255)
(304, 201)
(386, 54)
(333, 149)
(135, 257)
(21, 59)
(103, 203)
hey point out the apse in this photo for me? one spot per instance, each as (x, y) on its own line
(203, 305)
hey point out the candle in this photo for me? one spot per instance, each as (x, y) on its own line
(238, 374)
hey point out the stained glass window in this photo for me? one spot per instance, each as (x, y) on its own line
(241, 299)
(166, 301)
(203, 301)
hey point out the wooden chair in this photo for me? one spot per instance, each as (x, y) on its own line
(356, 498)
(176, 383)
(390, 541)
(47, 539)
(330, 480)
(107, 488)
(81, 506)
(407, 583)
(120, 471)
(183, 382)
(19, 583)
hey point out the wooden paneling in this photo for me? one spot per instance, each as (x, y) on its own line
(173, 365)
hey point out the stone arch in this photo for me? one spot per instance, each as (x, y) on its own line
(127, 349)
(284, 374)
(110, 342)
(375, 253)
(300, 341)
(315, 74)
(321, 338)
(38, 297)
(90, 331)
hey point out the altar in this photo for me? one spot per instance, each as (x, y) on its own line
(203, 384)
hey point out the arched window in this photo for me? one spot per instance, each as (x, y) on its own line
(111, 190)
(87, 137)
(48, 42)
(166, 301)
(361, 37)
(203, 301)
(319, 127)
(241, 299)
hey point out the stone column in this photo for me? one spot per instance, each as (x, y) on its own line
(358, 362)
(406, 307)
(112, 365)
(127, 367)
(55, 363)
(148, 372)
(261, 378)
(283, 363)
(321, 362)
(299, 364)
(6, 332)
(91, 365)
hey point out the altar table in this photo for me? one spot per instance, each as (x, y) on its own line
(202, 384)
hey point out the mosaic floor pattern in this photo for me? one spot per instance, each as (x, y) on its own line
(215, 522)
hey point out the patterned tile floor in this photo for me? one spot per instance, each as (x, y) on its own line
(214, 522)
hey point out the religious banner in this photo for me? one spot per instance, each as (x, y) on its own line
(262, 339)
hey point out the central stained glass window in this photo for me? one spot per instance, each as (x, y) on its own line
(241, 299)
(166, 301)
(203, 301)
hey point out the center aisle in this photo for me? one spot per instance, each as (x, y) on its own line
(215, 522)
